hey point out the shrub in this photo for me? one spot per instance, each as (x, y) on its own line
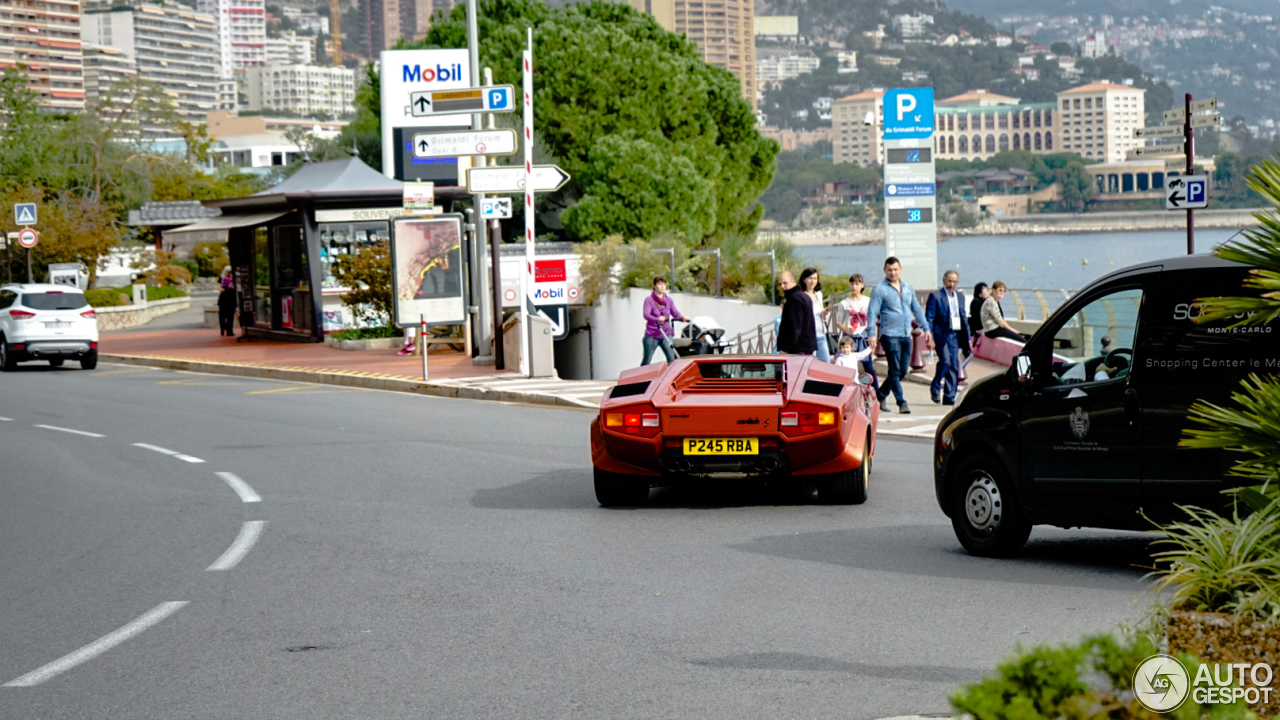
(109, 297)
(368, 274)
(190, 266)
(164, 292)
(211, 257)
(374, 333)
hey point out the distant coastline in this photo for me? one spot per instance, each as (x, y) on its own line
(1063, 223)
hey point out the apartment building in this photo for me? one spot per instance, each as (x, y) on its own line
(1098, 120)
(723, 29)
(172, 46)
(104, 67)
(773, 68)
(386, 21)
(44, 37)
(301, 90)
(242, 32)
(291, 49)
(914, 25)
(857, 140)
(978, 124)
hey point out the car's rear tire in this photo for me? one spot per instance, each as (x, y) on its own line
(90, 361)
(56, 362)
(985, 514)
(7, 361)
(614, 490)
(849, 487)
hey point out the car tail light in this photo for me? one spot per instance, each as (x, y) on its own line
(20, 346)
(21, 314)
(89, 314)
(641, 420)
(797, 419)
(93, 345)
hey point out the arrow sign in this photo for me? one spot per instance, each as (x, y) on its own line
(495, 99)
(464, 142)
(1188, 191)
(1159, 132)
(1171, 115)
(1202, 105)
(1213, 120)
(1175, 149)
(546, 178)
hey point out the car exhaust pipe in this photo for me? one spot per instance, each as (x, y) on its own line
(769, 464)
(682, 465)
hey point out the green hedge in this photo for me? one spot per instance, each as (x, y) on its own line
(367, 333)
(117, 296)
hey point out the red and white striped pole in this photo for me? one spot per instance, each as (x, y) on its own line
(526, 278)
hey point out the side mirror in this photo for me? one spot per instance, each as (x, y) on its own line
(1022, 366)
(865, 379)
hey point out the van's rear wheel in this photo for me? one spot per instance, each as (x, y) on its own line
(985, 514)
(614, 490)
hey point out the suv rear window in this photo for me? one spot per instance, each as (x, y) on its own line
(54, 300)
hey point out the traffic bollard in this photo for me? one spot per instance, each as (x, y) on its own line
(917, 350)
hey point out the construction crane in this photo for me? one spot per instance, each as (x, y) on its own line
(335, 31)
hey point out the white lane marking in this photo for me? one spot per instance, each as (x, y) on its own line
(188, 458)
(249, 534)
(3, 419)
(917, 429)
(916, 418)
(69, 430)
(157, 448)
(99, 646)
(241, 487)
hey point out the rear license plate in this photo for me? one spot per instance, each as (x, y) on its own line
(57, 324)
(721, 446)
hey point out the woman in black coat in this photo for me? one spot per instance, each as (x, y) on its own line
(227, 310)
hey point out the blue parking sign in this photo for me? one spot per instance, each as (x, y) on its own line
(499, 98)
(908, 113)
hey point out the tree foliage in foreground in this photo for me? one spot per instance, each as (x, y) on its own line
(613, 88)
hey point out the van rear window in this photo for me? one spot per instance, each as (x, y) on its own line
(54, 300)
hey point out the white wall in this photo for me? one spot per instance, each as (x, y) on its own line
(617, 325)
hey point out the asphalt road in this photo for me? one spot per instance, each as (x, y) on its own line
(416, 557)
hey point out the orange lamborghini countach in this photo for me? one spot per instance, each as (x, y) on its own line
(771, 416)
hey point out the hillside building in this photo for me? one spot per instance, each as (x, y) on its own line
(856, 121)
(44, 37)
(723, 29)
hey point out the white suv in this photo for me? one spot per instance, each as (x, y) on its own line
(46, 322)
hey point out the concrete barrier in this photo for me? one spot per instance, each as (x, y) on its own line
(1000, 351)
(120, 317)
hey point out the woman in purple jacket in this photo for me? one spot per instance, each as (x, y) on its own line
(659, 311)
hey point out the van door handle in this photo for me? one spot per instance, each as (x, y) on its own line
(1131, 408)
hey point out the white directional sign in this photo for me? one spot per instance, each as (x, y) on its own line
(1188, 191)
(466, 142)
(1175, 163)
(495, 208)
(24, 213)
(1171, 115)
(546, 178)
(499, 98)
(1212, 120)
(1159, 132)
(1175, 149)
(1202, 105)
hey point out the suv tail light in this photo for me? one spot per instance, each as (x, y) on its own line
(641, 420)
(798, 419)
(89, 314)
(21, 314)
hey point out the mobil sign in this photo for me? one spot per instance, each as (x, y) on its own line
(549, 281)
(402, 72)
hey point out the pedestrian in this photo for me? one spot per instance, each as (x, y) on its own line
(813, 288)
(889, 314)
(796, 332)
(227, 310)
(993, 323)
(945, 312)
(659, 312)
(851, 321)
(980, 294)
(847, 357)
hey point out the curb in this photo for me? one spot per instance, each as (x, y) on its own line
(368, 381)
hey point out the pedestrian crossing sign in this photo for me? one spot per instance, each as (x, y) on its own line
(24, 213)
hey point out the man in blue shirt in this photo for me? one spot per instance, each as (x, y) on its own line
(893, 306)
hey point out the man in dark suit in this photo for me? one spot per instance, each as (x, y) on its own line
(797, 334)
(945, 313)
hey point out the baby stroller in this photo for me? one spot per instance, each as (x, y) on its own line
(701, 336)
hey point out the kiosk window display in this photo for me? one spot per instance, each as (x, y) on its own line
(346, 238)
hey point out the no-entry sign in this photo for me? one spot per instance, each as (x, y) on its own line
(28, 238)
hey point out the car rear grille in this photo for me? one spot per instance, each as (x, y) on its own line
(734, 386)
(819, 387)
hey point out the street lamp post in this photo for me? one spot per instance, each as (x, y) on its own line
(715, 252)
(773, 274)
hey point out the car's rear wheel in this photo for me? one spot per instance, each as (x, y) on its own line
(614, 490)
(7, 361)
(55, 362)
(985, 515)
(89, 361)
(849, 487)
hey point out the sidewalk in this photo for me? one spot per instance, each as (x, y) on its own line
(181, 342)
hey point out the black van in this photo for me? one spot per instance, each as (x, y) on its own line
(1083, 430)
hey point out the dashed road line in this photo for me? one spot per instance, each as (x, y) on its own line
(5, 419)
(167, 451)
(69, 430)
(249, 534)
(241, 487)
(99, 646)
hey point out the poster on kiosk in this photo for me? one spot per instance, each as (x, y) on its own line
(426, 266)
